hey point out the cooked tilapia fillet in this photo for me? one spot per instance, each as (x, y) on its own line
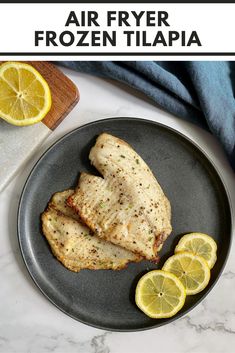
(74, 244)
(127, 206)
(58, 201)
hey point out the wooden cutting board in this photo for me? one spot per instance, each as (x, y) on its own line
(65, 94)
(18, 144)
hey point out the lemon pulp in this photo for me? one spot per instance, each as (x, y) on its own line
(25, 96)
(160, 294)
(192, 270)
(200, 244)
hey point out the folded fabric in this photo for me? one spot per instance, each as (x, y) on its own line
(198, 91)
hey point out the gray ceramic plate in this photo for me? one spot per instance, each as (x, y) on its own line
(199, 201)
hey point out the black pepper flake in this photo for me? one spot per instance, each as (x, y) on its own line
(121, 155)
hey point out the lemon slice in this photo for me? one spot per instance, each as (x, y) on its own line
(191, 269)
(200, 244)
(25, 96)
(160, 294)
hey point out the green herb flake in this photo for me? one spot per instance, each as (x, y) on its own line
(102, 204)
(150, 238)
(121, 155)
(137, 161)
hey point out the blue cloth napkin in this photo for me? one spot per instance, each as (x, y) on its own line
(198, 91)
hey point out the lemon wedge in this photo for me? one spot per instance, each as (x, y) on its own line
(200, 244)
(192, 270)
(25, 96)
(160, 294)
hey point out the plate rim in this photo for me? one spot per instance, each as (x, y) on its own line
(174, 131)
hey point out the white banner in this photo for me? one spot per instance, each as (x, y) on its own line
(113, 30)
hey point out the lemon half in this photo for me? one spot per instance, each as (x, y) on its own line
(25, 96)
(160, 294)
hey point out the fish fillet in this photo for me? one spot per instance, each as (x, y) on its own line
(74, 244)
(58, 201)
(127, 206)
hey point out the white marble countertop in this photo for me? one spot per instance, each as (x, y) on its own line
(30, 323)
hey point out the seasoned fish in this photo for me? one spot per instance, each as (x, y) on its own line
(127, 206)
(58, 201)
(74, 244)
